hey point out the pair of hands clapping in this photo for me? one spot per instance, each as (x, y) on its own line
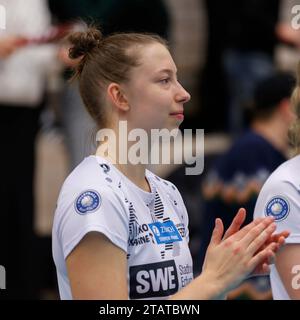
(241, 252)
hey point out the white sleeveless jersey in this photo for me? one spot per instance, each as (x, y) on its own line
(152, 228)
(280, 198)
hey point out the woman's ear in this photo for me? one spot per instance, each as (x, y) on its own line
(116, 95)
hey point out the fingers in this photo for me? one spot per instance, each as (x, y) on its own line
(266, 254)
(265, 268)
(237, 221)
(257, 237)
(256, 231)
(272, 247)
(279, 236)
(217, 232)
(262, 268)
(240, 234)
(281, 241)
(284, 234)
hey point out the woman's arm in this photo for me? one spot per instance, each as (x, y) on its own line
(288, 267)
(97, 269)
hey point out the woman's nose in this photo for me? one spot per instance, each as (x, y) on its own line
(182, 96)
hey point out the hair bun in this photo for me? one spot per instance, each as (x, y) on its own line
(85, 42)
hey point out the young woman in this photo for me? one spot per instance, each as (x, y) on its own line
(280, 198)
(119, 230)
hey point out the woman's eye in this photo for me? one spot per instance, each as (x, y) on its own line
(165, 81)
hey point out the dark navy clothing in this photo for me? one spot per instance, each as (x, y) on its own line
(235, 181)
(249, 155)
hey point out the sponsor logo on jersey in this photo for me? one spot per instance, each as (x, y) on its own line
(138, 234)
(153, 280)
(186, 274)
(87, 202)
(139, 240)
(165, 232)
(278, 207)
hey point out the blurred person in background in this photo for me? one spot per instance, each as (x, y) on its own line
(280, 199)
(237, 176)
(23, 73)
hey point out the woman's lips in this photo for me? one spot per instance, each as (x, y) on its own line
(178, 115)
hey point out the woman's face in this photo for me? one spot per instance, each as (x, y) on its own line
(155, 96)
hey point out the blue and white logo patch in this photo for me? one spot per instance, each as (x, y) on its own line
(87, 202)
(165, 232)
(278, 207)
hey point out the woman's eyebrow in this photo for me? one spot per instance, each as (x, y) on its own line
(170, 71)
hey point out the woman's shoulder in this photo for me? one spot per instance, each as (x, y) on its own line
(90, 188)
(286, 173)
(90, 175)
(280, 190)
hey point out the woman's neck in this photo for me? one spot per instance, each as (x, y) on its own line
(275, 132)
